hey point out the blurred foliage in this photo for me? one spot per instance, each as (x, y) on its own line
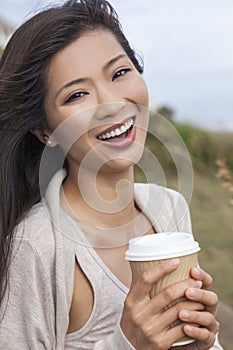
(211, 208)
(204, 147)
(167, 112)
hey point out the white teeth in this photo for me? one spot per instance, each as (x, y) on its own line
(123, 129)
(117, 131)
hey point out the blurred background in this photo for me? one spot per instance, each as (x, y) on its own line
(187, 49)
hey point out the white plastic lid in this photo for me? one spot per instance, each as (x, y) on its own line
(161, 246)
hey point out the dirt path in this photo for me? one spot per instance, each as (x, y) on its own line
(225, 317)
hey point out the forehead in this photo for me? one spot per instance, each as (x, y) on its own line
(93, 49)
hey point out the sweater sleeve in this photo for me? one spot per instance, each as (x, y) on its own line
(181, 212)
(27, 313)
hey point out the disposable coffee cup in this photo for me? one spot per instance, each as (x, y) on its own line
(149, 250)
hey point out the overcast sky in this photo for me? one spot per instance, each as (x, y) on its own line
(187, 47)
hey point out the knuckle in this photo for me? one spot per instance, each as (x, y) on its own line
(206, 334)
(159, 343)
(177, 308)
(213, 297)
(163, 266)
(180, 306)
(156, 343)
(212, 320)
(137, 319)
(148, 331)
(213, 323)
(199, 306)
(145, 278)
(128, 304)
(169, 293)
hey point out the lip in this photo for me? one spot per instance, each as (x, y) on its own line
(122, 142)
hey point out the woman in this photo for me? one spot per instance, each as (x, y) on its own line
(71, 89)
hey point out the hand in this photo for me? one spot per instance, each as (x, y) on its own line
(143, 321)
(206, 325)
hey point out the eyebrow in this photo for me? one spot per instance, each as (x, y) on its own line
(83, 80)
(73, 82)
(114, 59)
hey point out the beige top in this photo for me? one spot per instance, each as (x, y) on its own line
(42, 275)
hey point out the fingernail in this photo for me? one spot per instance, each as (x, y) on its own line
(197, 284)
(188, 329)
(184, 315)
(173, 262)
(192, 292)
(197, 271)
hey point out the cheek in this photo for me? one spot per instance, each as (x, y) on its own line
(70, 121)
(52, 117)
(138, 92)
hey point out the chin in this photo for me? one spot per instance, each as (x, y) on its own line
(123, 163)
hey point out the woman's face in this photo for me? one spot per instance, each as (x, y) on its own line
(97, 102)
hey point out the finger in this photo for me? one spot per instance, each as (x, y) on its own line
(204, 319)
(202, 335)
(208, 298)
(167, 337)
(176, 333)
(173, 293)
(147, 279)
(199, 274)
(170, 317)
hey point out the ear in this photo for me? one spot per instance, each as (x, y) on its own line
(44, 136)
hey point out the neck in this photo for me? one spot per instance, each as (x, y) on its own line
(104, 207)
(105, 200)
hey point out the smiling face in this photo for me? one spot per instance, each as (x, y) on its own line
(97, 101)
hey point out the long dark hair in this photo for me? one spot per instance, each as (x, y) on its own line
(23, 87)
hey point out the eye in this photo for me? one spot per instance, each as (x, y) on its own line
(76, 96)
(120, 73)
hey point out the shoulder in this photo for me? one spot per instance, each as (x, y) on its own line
(159, 192)
(169, 207)
(36, 230)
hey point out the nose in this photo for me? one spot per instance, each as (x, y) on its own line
(109, 110)
(109, 103)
